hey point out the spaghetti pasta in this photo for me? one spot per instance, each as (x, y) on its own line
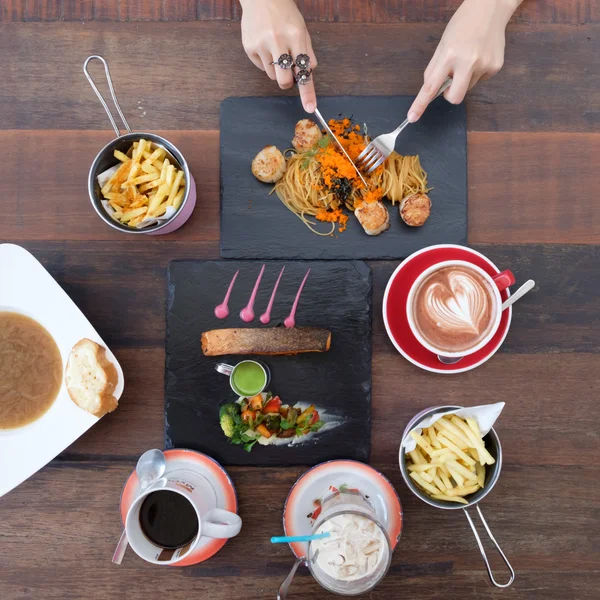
(320, 183)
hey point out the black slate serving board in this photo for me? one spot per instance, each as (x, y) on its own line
(337, 296)
(256, 225)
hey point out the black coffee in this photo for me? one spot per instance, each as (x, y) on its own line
(168, 519)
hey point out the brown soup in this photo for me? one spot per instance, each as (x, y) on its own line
(30, 370)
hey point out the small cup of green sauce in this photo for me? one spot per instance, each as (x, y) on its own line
(247, 378)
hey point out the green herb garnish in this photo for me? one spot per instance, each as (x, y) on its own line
(248, 446)
(324, 141)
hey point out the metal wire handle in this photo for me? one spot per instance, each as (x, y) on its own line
(112, 93)
(482, 550)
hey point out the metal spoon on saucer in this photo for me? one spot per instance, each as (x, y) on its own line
(150, 467)
(526, 287)
(449, 360)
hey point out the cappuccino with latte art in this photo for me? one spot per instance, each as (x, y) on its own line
(454, 309)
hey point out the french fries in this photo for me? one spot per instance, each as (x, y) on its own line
(449, 460)
(145, 184)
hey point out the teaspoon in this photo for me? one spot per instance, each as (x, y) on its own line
(285, 586)
(150, 468)
(526, 287)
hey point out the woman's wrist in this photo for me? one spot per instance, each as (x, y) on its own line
(248, 3)
(507, 8)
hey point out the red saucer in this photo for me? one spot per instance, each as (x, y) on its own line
(394, 308)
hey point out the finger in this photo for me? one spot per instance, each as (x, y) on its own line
(267, 67)
(256, 60)
(430, 68)
(309, 50)
(484, 76)
(307, 90)
(432, 64)
(308, 95)
(427, 93)
(285, 77)
(476, 78)
(455, 94)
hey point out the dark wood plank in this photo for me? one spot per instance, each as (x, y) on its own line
(218, 10)
(538, 90)
(31, 10)
(144, 10)
(545, 444)
(86, 10)
(73, 509)
(573, 12)
(521, 186)
(525, 188)
(65, 210)
(534, 424)
(180, 10)
(560, 315)
(554, 339)
(108, 10)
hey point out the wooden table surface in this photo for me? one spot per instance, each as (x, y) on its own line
(534, 159)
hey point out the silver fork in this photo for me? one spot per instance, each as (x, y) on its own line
(383, 145)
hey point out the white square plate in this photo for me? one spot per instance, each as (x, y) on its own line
(27, 288)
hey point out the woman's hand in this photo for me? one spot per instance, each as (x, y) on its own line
(271, 28)
(472, 48)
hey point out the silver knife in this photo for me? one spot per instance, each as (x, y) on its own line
(328, 129)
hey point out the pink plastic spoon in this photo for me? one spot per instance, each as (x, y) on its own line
(265, 318)
(222, 310)
(291, 319)
(247, 314)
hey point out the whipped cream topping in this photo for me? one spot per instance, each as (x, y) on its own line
(354, 550)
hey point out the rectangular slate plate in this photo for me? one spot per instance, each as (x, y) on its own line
(256, 225)
(337, 296)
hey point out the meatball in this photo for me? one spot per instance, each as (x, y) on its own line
(374, 217)
(415, 209)
(269, 165)
(306, 135)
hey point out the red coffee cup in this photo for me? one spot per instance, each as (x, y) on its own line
(496, 284)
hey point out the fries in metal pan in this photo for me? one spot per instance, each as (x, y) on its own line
(449, 460)
(144, 185)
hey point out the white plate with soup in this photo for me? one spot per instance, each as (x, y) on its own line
(39, 325)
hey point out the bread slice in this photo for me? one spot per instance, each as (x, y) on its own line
(91, 378)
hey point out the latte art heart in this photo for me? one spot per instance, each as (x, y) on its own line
(461, 305)
(453, 309)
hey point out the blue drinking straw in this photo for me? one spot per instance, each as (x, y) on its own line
(298, 538)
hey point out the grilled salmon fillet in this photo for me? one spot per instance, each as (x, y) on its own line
(274, 340)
